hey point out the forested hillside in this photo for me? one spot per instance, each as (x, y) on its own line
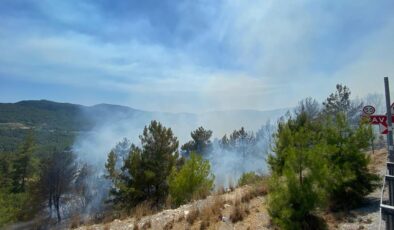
(53, 123)
(57, 124)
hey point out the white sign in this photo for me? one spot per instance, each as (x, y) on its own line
(369, 109)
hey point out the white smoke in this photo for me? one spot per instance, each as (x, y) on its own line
(111, 127)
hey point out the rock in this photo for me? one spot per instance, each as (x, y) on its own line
(225, 219)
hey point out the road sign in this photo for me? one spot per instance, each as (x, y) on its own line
(369, 110)
(380, 120)
(383, 129)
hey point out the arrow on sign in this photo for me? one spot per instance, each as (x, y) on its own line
(383, 129)
(380, 120)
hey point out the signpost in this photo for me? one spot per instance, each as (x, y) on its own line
(381, 120)
(386, 123)
(369, 110)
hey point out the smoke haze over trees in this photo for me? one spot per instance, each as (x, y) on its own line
(123, 162)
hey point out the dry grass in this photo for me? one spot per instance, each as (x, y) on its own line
(193, 215)
(181, 218)
(219, 191)
(76, 221)
(231, 185)
(106, 227)
(214, 207)
(247, 196)
(239, 212)
(143, 209)
(204, 224)
(146, 225)
(169, 225)
(211, 212)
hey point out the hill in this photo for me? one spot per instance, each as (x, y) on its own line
(57, 124)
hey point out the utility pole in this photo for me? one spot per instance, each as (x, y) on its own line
(390, 158)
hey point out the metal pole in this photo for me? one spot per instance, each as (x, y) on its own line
(389, 121)
(390, 148)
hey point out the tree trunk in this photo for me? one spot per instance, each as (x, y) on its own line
(50, 204)
(57, 206)
(373, 147)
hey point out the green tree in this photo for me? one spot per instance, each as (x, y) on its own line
(193, 180)
(200, 142)
(17, 172)
(5, 170)
(350, 179)
(241, 142)
(298, 172)
(249, 178)
(110, 166)
(145, 171)
(12, 206)
(22, 164)
(340, 102)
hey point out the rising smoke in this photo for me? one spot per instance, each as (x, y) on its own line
(116, 129)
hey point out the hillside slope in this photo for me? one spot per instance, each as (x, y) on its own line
(217, 212)
(57, 124)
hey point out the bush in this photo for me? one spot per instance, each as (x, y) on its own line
(239, 212)
(192, 215)
(11, 206)
(193, 180)
(249, 178)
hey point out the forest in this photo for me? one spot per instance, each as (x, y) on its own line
(311, 160)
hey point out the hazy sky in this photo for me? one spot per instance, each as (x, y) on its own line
(194, 55)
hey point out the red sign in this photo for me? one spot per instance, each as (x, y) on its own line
(380, 120)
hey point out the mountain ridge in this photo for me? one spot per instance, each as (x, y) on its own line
(55, 122)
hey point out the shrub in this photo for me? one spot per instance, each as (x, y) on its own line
(192, 215)
(239, 212)
(193, 180)
(249, 178)
(169, 225)
(143, 209)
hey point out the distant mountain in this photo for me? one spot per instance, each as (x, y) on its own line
(43, 115)
(57, 124)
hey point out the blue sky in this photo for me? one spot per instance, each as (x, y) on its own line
(195, 55)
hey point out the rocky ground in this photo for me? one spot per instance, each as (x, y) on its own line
(245, 208)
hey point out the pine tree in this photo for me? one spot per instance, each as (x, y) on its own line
(200, 142)
(22, 164)
(193, 180)
(110, 166)
(350, 179)
(298, 172)
(339, 102)
(145, 171)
